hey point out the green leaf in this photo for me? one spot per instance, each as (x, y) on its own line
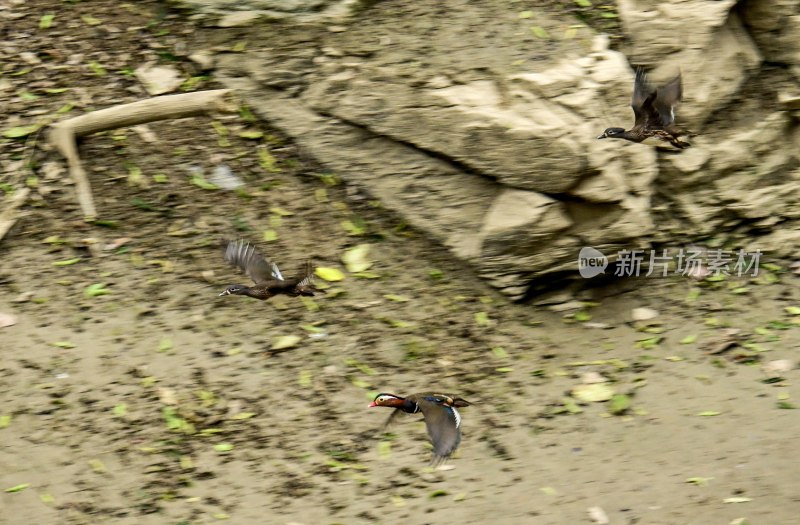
(539, 32)
(67, 262)
(165, 345)
(18, 488)
(46, 21)
(365, 275)
(525, 14)
(223, 448)
(619, 404)
(304, 378)
(251, 135)
(90, 20)
(5, 421)
(63, 344)
(243, 415)
(97, 466)
(97, 69)
(354, 227)
(267, 161)
(698, 481)
(277, 210)
(94, 290)
(582, 316)
(709, 413)
(689, 339)
(785, 405)
(19, 132)
(397, 298)
(329, 274)
(355, 259)
(199, 181)
(285, 341)
(482, 319)
(650, 342)
(270, 235)
(499, 352)
(583, 3)
(793, 310)
(120, 410)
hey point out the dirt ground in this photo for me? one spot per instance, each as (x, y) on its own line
(131, 393)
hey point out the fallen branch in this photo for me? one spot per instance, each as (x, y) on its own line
(63, 134)
(9, 215)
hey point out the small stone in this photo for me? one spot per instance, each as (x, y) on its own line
(158, 80)
(332, 51)
(643, 314)
(789, 100)
(7, 320)
(204, 59)
(24, 297)
(777, 368)
(591, 378)
(238, 19)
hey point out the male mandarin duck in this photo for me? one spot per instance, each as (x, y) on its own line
(654, 112)
(441, 417)
(265, 274)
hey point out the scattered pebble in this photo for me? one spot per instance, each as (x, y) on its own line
(643, 314)
(598, 515)
(7, 320)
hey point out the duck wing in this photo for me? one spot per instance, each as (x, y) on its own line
(308, 276)
(667, 97)
(444, 427)
(250, 261)
(391, 417)
(644, 112)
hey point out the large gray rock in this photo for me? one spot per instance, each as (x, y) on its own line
(775, 26)
(484, 138)
(712, 75)
(658, 29)
(469, 123)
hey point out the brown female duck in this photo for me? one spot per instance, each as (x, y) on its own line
(441, 417)
(265, 274)
(654, 112)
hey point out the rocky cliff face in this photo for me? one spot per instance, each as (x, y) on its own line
(476, 121)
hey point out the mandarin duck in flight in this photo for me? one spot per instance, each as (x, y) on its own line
(654, 113)
(268, 279)
(441, 418)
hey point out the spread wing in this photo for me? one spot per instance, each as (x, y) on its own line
(668, 96)
(308, 276)
(391, 417)
(642, 101)
(250, 261)
(444, 428)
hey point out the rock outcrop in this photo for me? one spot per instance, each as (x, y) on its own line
(483, 135)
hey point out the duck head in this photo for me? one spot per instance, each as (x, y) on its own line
(387, 400)
(612, 133)
(234, 289)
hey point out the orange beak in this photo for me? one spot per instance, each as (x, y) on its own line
(373, 404)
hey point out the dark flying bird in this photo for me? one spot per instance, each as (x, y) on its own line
(265, 274)
(441, 417)
(654, 111)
